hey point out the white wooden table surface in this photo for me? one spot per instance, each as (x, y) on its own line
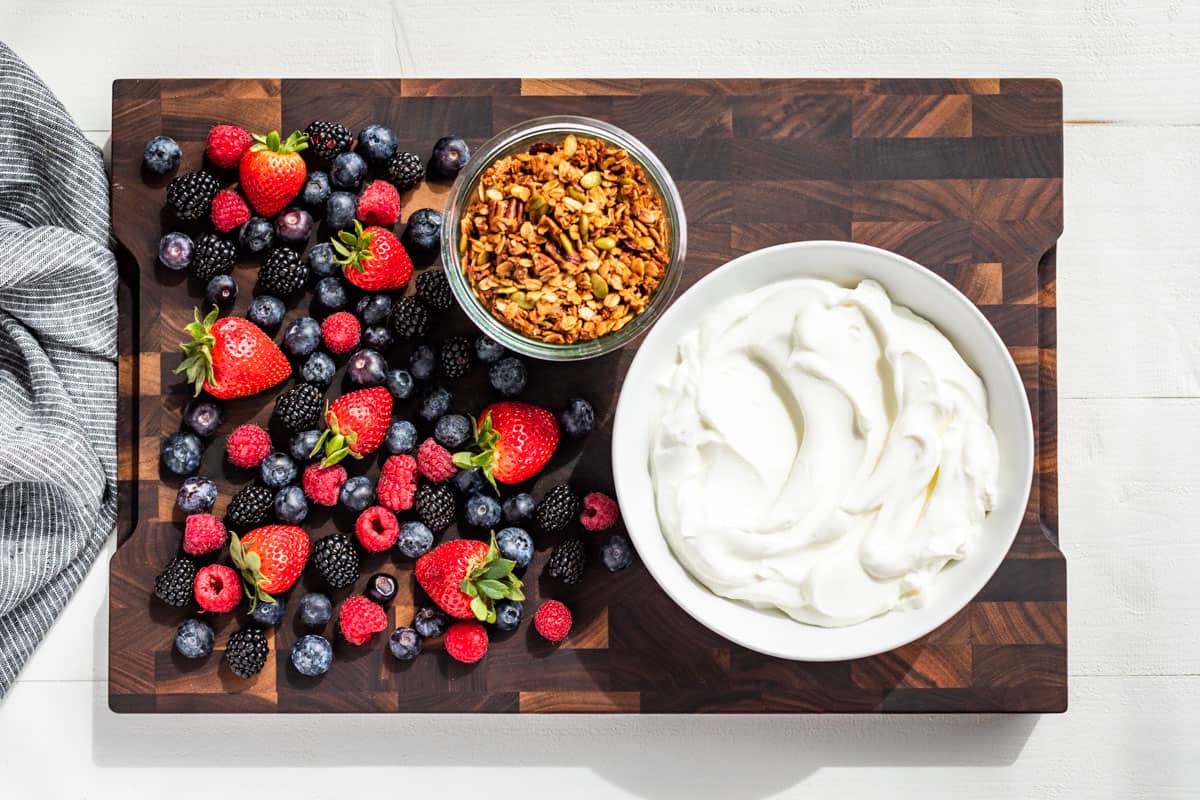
(1129, 409)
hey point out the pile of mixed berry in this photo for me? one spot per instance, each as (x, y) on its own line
(319, 208)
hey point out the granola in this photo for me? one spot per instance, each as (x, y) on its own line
(565, 242)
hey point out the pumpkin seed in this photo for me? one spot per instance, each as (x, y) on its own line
(599, 287)
(570, 145)
(575, 194)
(605, 243)
(494, 195)
(590, 180)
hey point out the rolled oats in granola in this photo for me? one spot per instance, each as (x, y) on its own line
(565, 242)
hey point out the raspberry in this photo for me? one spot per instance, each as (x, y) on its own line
(553, 620)
(322, 485)
(599, 512)
(379, 204)
(226, 145)
(247, 446)
(229, 210)
(377, 529)
(435, 461)
(466, 642)
(361, 619)
(203, 533)
(397, 483)
(217, 589)
(341, 332)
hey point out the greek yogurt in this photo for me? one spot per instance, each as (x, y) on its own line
(821, 450)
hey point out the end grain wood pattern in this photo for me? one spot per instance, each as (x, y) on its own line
(964, 176)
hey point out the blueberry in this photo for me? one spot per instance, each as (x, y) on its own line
(269, 615)
(469, 481)
(181, 453)
(422, 362)
(319, 369)
(340, 208)
(194, 639)
(256, 235)
(357, 493)
(291, 506)
(381, 588)
(483, 510)
(303, 443)
(519, 507)
(312, 655)
(162, 155)
(302, 336)
(399, 382)
(452, 431)
(617, 553)
(429, 622)
(203, 416)
(331, 293)
(175, 251)
(401, 437)
(196, 495)
(516, 545)
(488, 350)
(366, 367)
(221, 291)
(294, 225)
(508, 615)
(376, 143)
(278, 470)
(450, 154)
(315, 610)
(374, 309)
(577, 418)
(377, 337)
(320, 261)
(266, 312)
(415, 539)
(508, 376)
(316, 190)
(347, 172)
(405, 644)
(435, 403)
(423, 232)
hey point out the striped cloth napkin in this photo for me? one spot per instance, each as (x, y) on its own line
(58, 361)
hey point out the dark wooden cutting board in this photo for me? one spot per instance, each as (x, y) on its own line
(964, 176)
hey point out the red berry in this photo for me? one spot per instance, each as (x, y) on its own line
(229, 210)
(466, 641)
(341, 332)
(218, 589)
(247, 446)
(361, 619)
(379, 204)
(599, 513)
(435, 462)
(323, 484)
(553, 620)
(377, 529)
(203, 533)
(397, 484)
(226, 145)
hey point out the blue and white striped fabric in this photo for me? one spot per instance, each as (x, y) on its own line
(58, 361)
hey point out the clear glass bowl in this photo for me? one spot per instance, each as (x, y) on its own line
(519, 138)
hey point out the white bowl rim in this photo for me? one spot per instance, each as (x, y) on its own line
(902, 635)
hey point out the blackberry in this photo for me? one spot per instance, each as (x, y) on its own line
(246, 651)
(434, 290)
(191, 194)
(410, 318)
(282, 273)
(567, 561)
(335, 560)
(327, 140)
(456, 356)
(249, 508)
(300, 407)
(174, 584)
(435, 505)
(405, 170)
(558, 508)
(212, 256)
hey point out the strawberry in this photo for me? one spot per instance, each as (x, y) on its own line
(231, 357)
(229, 210)
(373, 259)
(226, 144)
(464, 577)
(270, 560)
(514, 441)
(357, 424)
(379, 204)
(272, 172)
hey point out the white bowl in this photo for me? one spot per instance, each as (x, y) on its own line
(908, 284)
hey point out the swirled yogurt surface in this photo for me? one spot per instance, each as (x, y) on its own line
(822, 451)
